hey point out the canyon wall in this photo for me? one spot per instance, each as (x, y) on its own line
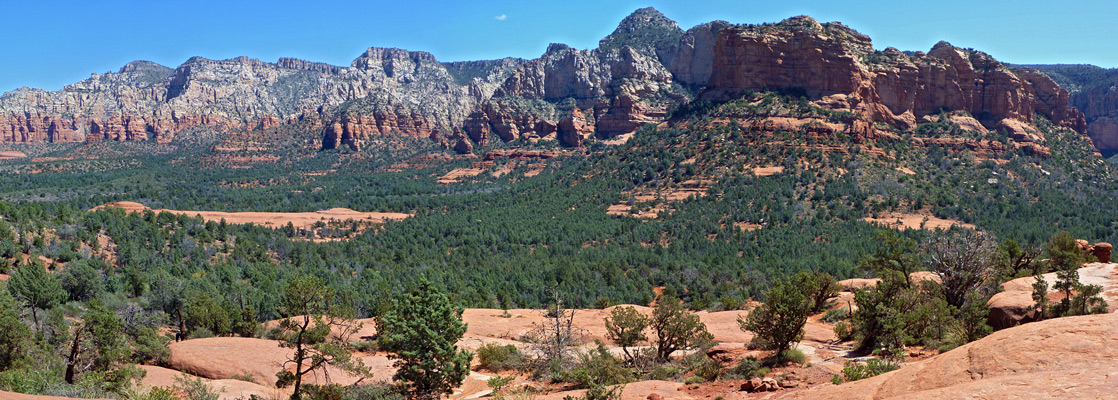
(647, 66)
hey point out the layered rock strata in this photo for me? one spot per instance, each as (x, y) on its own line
(647, 66)
(838, 67)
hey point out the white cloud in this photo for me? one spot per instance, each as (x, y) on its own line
(501, 17)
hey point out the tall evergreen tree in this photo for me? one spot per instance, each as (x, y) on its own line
(36, 288)
(15, 337)
(421, 332)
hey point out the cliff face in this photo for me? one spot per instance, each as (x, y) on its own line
(384, 90)
(1094, 91)
(644, 68)
(570, 94)
(839, 68)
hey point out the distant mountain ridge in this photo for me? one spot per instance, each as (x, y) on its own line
(642, 70)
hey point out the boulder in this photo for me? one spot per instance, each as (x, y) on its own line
(1102, 251)
(751, 385)
(760, 385)
(1008, 309)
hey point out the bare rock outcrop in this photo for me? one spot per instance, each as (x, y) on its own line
(577, 93)
(1056, 358)
(1104, 275)
(229, 357)
(691, 60)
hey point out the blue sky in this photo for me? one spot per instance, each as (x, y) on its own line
(48, 44)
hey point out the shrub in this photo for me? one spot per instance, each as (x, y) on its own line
(836, 315)
(694, 380)
(853, 371)
(156, 393)
(698, 304)
(747, 368)
(730, 303)
(843, 331)
(380, 391)
(677, 329)
(598, 367)
(150, 347)
(601, 392)
(779, 322)
(499, 382)
(625, 327)
(794, 356)
(709, 370)
(665, 372)
(817, 287)
(244, 377)
(323, 392)
(377, 391)
(498, 358)
(195, 389)
(81, 280)
(201, 333)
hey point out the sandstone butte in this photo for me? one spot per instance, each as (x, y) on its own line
(566, 94)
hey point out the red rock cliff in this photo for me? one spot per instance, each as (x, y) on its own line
(826, 60)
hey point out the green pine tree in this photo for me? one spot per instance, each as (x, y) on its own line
(36, 288)
(15, 338)
(421, 332)
(779, 322)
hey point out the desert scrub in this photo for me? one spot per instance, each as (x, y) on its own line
(747, 368)
(853, 371)
(836, 315)
(792, 356)
(498, 358)
(843, 331)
